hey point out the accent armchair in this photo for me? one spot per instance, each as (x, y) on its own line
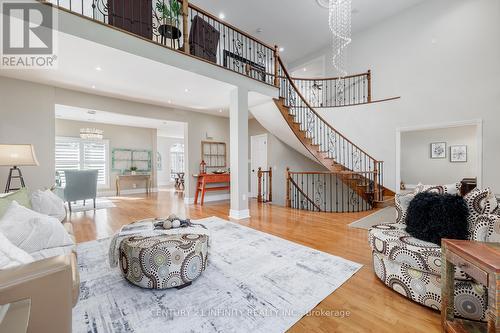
(80, 185)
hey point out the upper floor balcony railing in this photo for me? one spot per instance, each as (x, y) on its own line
(183, 27)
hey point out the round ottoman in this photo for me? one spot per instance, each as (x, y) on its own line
(163, 261)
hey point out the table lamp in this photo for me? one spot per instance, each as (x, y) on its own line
(17, 155)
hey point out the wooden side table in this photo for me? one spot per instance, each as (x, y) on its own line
(482, 262)
(210, 178)
(145, 177)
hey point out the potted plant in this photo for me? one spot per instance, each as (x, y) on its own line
(170, 11)
(133, 170)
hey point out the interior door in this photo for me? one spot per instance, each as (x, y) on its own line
(258, 153)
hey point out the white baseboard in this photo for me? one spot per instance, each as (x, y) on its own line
(239, 214)
(209, 198)
(109, 193)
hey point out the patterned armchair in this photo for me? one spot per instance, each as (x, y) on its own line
(412, 267)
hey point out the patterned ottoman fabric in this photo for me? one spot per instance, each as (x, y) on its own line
(425, 288)
(163, 261)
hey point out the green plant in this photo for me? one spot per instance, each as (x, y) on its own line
(133, 168)
(169, 9)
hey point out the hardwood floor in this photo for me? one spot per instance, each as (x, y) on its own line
(372, 307)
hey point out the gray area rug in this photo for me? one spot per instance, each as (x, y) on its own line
(100, 203)
(254, 282)
(385, 215)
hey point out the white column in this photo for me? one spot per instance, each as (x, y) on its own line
(238, 142)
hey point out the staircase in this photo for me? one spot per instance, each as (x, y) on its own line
(351, 165)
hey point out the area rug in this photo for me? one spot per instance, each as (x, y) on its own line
(100, 203)
(254, 282)
(385, 215)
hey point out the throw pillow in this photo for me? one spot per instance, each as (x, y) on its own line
(480, 202)
(11, 255)
(486, 228)
(402, 201)
(47, 203)
(21, 196)
(440, 189)
(432, 216)
(32, 231)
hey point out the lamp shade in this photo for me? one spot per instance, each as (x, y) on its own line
(17, 155)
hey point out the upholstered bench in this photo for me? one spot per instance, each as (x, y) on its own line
(163, 261)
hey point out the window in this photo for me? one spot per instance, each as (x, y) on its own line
(176, 159)
(80, 154)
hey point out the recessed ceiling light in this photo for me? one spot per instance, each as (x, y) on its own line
(186, 90)
(259, 30)
(93, 86)
(98, 68)
(169, 102)
(91, 112)
(220, 110)
(304, 69)
(222, 16)
(281, 49)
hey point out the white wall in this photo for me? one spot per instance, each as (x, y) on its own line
(442, 58)
(417, 166)
(27, 116)
(120, 137)
(279, 157)
(163, 145)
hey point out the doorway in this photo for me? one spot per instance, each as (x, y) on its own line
(258, 155)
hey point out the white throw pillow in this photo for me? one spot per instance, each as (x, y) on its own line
(47, 203)
(32, 231)
(11, 255)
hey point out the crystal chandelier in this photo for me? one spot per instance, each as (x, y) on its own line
(91, 134)
(339, 20)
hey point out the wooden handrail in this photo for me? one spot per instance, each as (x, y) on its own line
(314, 111)
(331, 173)
(260, 173)
(185, 25)
(331, 78)
(290, 180)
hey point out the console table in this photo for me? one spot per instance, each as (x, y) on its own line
(141, 177)
(482, 262)
(210, 178)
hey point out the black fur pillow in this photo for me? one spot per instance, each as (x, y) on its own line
(433, 216)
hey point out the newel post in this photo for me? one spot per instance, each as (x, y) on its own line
(270, 184)
(276, 66)
(288, 202)
(259, 185)
(185, 26)
(369, 77)
(375, 179)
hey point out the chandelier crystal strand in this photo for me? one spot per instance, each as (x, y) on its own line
(91, 134)
(340, 24)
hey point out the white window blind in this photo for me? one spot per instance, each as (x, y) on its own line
(80, 154)
(94, 157)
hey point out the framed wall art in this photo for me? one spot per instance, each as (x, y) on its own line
(438, 150)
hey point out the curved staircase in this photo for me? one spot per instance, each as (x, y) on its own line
(349, 163)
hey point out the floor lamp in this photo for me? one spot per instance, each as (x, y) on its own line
(14, 156)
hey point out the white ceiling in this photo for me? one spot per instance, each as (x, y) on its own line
(300, 26)
(127, 76)
(171, 129)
